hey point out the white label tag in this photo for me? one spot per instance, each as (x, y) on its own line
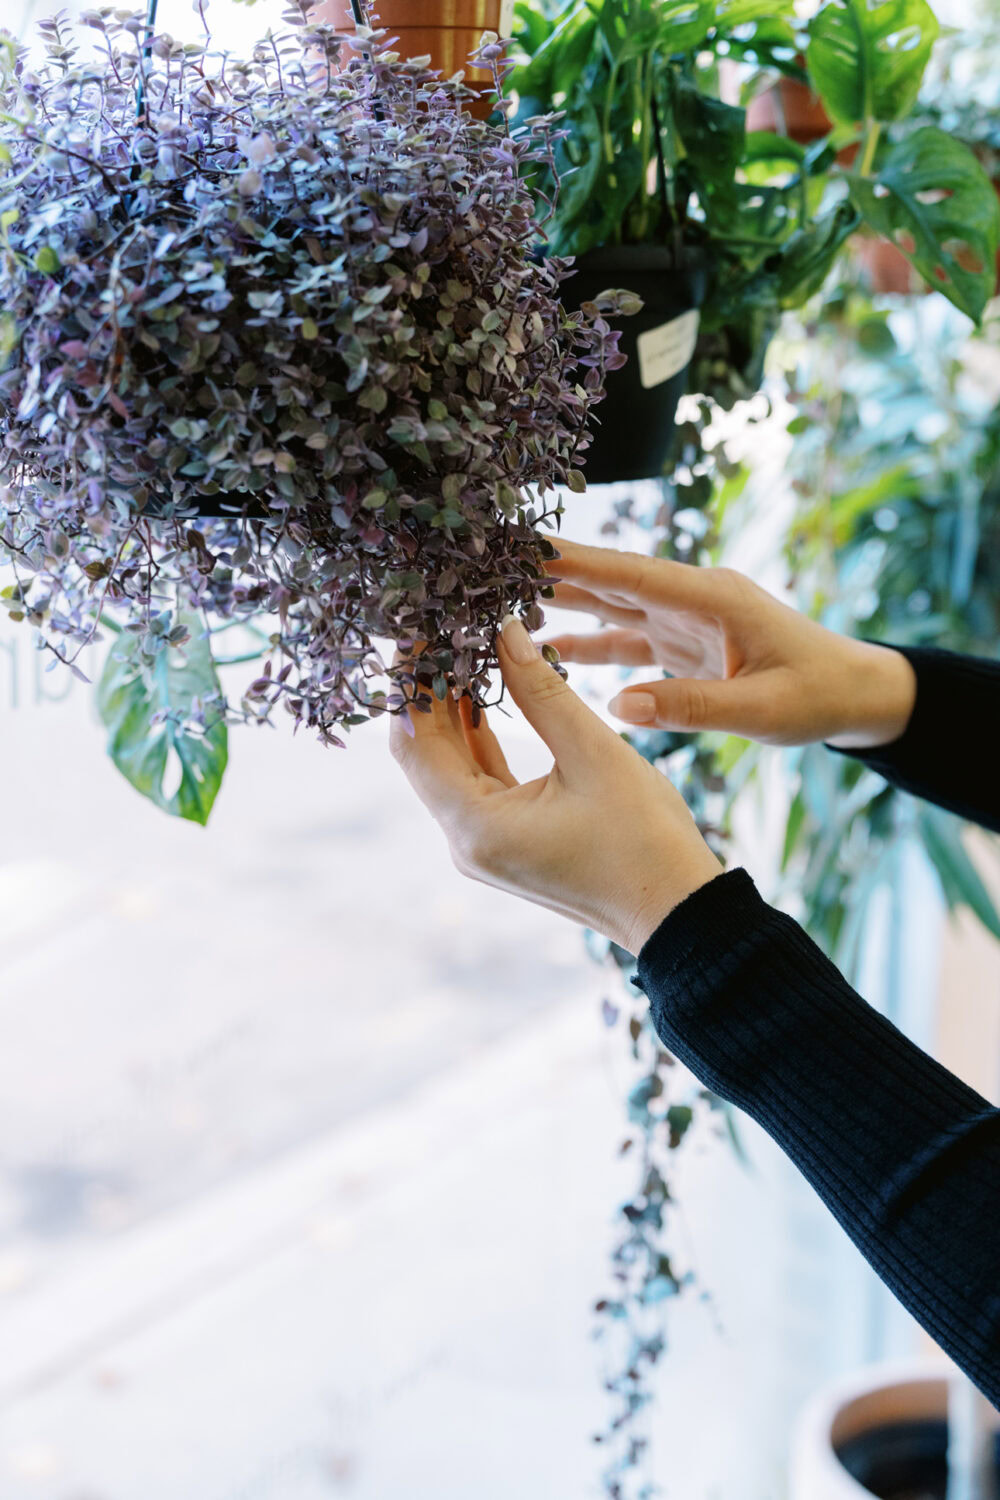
(665, 350)
(506, 17)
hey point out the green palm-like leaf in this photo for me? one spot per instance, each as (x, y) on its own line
(961, 882)
(128, 695)
(931, 197)
(728, 14)
(866, 57)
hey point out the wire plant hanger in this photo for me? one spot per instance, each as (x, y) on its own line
(357, 10)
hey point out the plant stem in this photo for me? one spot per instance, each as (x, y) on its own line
(869, 148)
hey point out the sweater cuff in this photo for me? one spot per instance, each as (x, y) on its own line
(709, 921)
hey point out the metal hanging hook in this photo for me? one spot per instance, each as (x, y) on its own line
(150, 23)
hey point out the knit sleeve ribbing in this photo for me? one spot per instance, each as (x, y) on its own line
(904, 1154)
(950, 750)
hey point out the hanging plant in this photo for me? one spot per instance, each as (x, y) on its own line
(275, 352)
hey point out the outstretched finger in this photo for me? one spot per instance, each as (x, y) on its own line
(740, 705)
(632, 579)
(584, 601)
(434, 757)
(578, 739)
(622, 648)
(484, 745)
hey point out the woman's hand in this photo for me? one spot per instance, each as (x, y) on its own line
(739, 660)
(603, 838)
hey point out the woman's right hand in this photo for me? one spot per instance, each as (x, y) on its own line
(739, 659)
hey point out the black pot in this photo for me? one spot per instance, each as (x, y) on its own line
(228, 505)
(633, 425)
(901, 1460)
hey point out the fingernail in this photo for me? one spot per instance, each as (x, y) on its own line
(634, 708)
(518, 642)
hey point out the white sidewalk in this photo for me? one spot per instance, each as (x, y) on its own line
(308, 1154)
(397, 1311)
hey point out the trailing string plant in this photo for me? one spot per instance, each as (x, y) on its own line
(664, 1106)
(656, 151)
(275, 352)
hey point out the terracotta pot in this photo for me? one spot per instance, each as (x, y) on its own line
(882, 1431)
(789, 108)
(446, 30)
(484, 14)
(886, 267)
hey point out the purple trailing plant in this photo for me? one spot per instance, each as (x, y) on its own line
(279, 345)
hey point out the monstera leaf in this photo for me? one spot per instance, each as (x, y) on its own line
(727, 15)
(867, 57)
(931, 197)
(148, 713)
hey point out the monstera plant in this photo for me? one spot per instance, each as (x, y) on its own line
(274, 352)
(662, 187)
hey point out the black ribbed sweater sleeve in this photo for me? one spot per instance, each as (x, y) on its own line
(905, 1155)
(950, 750)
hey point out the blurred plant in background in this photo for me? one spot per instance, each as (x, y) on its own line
(893, 534)
(896, 536)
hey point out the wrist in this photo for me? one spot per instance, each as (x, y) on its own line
(880, 697)
(656, 898)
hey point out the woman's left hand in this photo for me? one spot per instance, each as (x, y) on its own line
(603, 838)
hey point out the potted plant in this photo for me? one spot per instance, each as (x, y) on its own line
(890, 1431)
(790, 106)
(275, 353)
(659, 175)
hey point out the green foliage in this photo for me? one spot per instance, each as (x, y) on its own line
(160, 698)
(961, 883)
(866, 58)
(896, 536)
(654, 153)
(932, 199)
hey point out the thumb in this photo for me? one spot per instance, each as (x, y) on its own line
(738, 705)
(571, 730)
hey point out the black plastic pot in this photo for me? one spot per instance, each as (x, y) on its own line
(901, 1460)
(633, 425)
(226, 505)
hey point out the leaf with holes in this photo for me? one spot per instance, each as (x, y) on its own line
(174, 748)
(931, 197)
(867, 57)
